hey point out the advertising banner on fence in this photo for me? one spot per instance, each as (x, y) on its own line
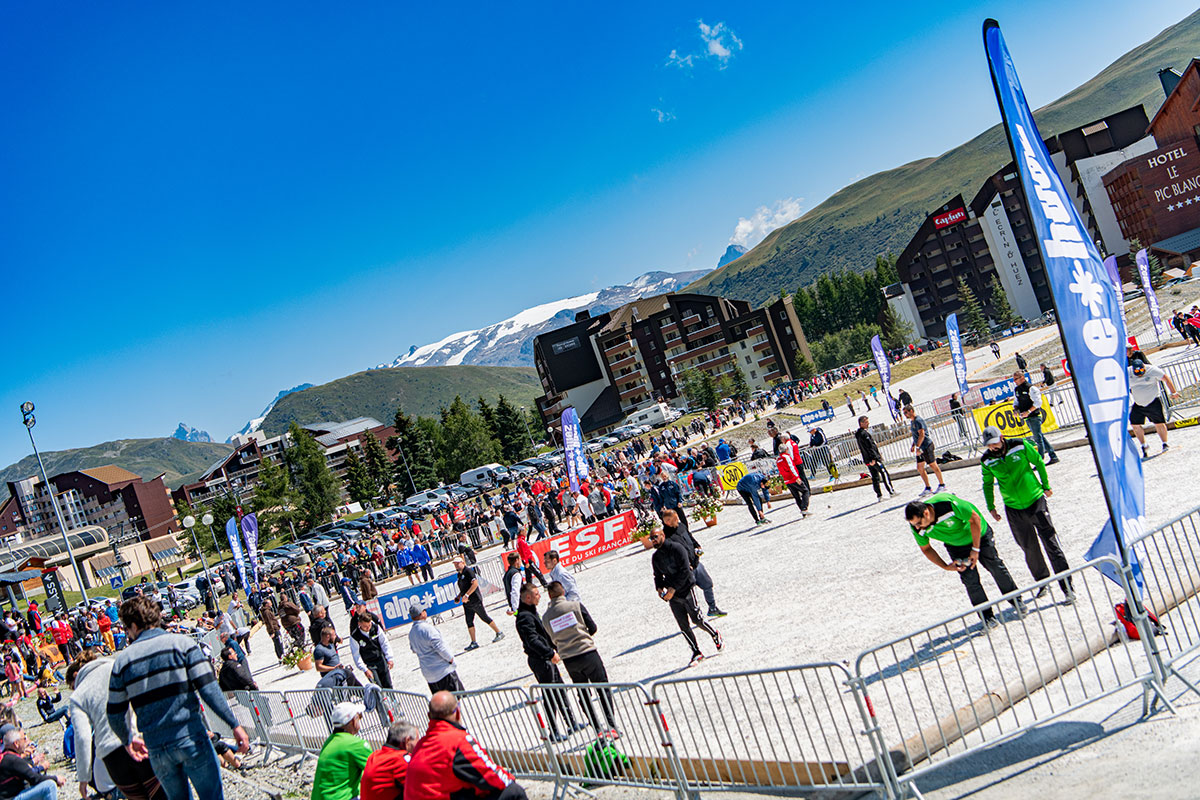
(586, 542)
(576, 459)
(1089, 307)
(957, 357)
(730, 474)
(820, 415)
(235, 547)
(1003, 417)
(885, 372)
(250, 531)
(1143, 264)
(434, 596)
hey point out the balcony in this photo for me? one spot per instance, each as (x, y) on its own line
(674, 340)
(618, 346)
(623, 361)
(638, 388)
(760, 346)
(705, 331)
(690, 319)
(666, 326)
(773, 375)
(759, 328)
(699, 350)
(769, 358)
(713, 361)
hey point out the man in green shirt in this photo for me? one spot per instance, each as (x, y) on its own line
(968, 539)
(343, 756)
(1017, 466)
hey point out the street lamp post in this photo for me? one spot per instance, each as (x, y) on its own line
(30, 421)
(207, 520)
(528, 432)
(400, 449)
(189, 522)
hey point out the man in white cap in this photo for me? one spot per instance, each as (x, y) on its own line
(433, 656)
(343, 756)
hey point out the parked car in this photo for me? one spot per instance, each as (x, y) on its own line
(523, 470)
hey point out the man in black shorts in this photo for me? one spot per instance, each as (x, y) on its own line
(1147, 402)
(471, 598)
(922, 445)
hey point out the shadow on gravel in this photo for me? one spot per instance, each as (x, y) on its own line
(645, 645)
(1042, 745)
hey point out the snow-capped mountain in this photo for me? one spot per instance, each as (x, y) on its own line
(510, 343)
(256, 423)
(189, 434)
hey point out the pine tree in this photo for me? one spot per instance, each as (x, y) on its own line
(971, 316)
(316, 486)
(415, 464)
(379, 466)
(897, 331)
(275, 500)
(511, 434)
(466, 441)
(359, 485)
(804, 369)
(739, 389)
(1001, 311)
(1156, 267)
(489, 417)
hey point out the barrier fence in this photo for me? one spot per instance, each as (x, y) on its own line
(910, 705)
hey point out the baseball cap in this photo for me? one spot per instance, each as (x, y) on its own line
(991, 435)
(1139, 366)
(415, 610)
(344, 712)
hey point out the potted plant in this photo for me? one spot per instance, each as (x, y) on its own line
(297, 657)
(775, 485)
(707, 510)
(645, 527)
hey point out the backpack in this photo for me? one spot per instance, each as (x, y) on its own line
(732, 450)
(947, 457)
(603, 760)
(1131, 630)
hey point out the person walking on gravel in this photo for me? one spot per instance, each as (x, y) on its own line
(922, 445)
(675, 581)
(1017, 466)
(675, 529)
(1147, 402)
(872, 458)
(969, 542)
(471, 597)
(571, 629)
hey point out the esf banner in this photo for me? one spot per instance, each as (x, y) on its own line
(820, 415)
(583, 543)
(434, 596)
(1007, 420)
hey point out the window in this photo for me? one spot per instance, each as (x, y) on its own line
(783, 314)
(788, 329)
(662, 374)
(658, 359)
(743, 343)
(753, 374)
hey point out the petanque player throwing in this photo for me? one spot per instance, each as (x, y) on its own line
(1018, 468)
(968, 539)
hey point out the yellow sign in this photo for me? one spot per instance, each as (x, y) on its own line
(731, 474)
(1003, 417)
(1187, 423)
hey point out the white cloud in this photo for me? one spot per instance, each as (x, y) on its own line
(663, 116)
(720, 43)
(750, 231)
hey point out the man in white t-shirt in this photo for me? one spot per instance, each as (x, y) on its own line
(1147, 403)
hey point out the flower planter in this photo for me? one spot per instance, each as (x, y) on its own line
(646, 544)
(710, 522)
(305, 663)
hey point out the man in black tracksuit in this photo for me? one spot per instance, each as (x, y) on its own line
(674, 580)
(677, 529)
(542, 659)
(872, 458)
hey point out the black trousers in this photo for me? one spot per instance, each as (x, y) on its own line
(475, 609)
(801, 492)
(426, 571)
(450, 683)
(687, 613)
(1033, 530)
(135, 779)
(532, 574)
(556, 699)
(383, 675)
(879, 473)
(589, 668)
(990, 560)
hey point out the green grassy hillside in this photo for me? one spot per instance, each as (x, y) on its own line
(181, 461)
(420, 391)
(880, 213)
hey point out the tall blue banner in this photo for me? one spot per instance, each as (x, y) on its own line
(235, 546)
(1143, 265)
(1088, 305)
(885, 373)
(250, 531)
(434, 596)
(573, 453)
(1114, 275)
(957, 357)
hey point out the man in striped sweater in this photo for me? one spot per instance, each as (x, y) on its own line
(164, 677)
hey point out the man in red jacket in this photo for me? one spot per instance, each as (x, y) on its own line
(528, 559)
(449, 764)
(791, 469)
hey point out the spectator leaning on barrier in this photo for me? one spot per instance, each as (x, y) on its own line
(384, 775)
(1017, 466)
(968, 539)
(448, 763)
(433, 656)
(163, 676)
(343, 756)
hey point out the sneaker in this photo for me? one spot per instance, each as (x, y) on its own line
(804, 514)
(1145, 452)
(941, 488)
(471, 646)
(991, 623)
(1070, 597)
(1020, 608)
(891, 492)
(1166, 447)
(696, 659)
(925, 492)
(1041, 592)
(879, 499)
(716, 612)
(498, 637)
(719, 641)
(1053, 460)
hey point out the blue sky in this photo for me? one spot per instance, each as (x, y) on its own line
(206, 204)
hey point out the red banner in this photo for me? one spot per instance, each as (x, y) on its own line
(950, 218)
(586, 542)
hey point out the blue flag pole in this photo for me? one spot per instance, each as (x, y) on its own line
(1087, 307)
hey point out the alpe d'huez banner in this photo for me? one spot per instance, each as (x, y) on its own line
(1089, 309)
(576, 458)
(957, 357)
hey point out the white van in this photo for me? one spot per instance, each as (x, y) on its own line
(487, 475)
(654, 416)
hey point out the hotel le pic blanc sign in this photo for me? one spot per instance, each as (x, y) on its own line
(1171, 184)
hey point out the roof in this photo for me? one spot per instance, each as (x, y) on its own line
(621, 316)
(328, 433)
(111, 474)
(1191, 65)
(1182, 244)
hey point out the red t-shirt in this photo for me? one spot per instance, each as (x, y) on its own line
(383, 776)
(103, 622)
